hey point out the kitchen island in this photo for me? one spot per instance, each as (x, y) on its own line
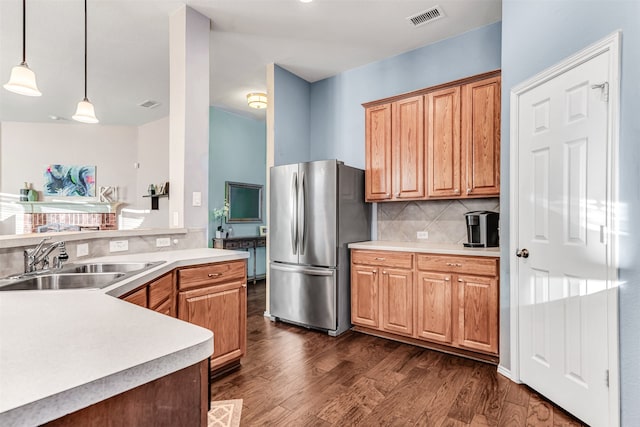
(62, 351)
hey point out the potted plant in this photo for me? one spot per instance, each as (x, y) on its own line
(219, 214)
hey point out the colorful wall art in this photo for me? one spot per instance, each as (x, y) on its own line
(61, 180)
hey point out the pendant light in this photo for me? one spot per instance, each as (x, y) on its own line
(23, 79)
(85, 112)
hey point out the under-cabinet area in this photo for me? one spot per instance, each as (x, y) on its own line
(442, 301)
(441, 142)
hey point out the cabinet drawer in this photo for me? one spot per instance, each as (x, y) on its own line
(160, 290)
(384, 259)
(454, 264)
(211, 274)
(231, 245)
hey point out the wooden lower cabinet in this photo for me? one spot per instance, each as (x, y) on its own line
(478, 313)
(437, 301)
(213, 296)
(364, 296)
(397, 301)
(221, 307)
(434, 307)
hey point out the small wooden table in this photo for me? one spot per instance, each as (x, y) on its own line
(243, 242)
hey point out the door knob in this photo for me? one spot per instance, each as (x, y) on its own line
(522, 253)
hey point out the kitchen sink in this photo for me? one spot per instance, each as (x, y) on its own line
(63, 281)
(109, 267)
(77, 276)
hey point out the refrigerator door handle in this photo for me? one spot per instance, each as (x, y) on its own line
(309, 271)
(293, 196)
(302, 212)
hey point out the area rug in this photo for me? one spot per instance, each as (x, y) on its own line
(225, 413)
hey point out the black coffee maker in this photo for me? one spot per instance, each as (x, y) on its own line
(482, 229)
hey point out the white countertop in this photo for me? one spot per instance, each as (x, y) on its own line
(61, 351)
(431, 248)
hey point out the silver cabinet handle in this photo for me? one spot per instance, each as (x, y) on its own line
(446, 279)
(460, 280)
(384, 272)
(454, 264)
(468, 191)
(379, 259)
(214, 274)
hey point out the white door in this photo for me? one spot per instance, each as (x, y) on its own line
(562, 198)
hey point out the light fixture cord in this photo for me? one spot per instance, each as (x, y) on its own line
(85, 49)
(24, 31)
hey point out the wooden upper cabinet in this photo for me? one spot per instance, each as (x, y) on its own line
(407, 136)
(481, 135)
(378, 153)
(443, 142)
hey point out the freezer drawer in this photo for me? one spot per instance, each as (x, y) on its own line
(303, 295)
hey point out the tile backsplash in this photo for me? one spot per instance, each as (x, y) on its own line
(442, 219)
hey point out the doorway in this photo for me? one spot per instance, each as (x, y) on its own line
(564, 270)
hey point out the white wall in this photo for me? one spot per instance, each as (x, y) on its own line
(28, 147)
(153, 158)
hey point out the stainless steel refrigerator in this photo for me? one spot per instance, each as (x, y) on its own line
(316, 209)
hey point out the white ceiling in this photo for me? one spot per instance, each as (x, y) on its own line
(129, 47)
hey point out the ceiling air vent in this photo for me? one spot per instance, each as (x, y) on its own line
(427, 16)
(149, 104)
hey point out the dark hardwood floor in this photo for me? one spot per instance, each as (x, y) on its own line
(292, 376)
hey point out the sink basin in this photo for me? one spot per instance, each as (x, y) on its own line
(77, 276)
(64, 281)
(109, 267)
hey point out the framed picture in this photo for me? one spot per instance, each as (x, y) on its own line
(63, 180)
(263, 230)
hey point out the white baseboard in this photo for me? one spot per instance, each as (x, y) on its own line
(507, 373)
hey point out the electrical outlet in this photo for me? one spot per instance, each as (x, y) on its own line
(161, 242)
(118, 245)
(196, 198)
(82, 250)
(422, 235)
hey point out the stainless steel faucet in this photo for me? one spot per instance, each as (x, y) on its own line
(40, 256)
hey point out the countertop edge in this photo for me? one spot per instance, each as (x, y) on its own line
(430, 248)
(68, 401)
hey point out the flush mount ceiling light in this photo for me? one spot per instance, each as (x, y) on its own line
(257, 100)
(306, 1)
(22, 79)
(85, 112)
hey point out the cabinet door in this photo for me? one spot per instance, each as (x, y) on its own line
(162, 295)
(407, 137)
(443, 143)
(378, 153)
(364, 296)
(481, 130)
(223, 310)
(397, 301)
(433, 304)
(138, 297)
(478, 313)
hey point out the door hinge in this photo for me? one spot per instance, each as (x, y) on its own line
(606, 378)
(604, 87)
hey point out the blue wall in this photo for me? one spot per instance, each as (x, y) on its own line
(237, 152)
(337, 125)
(291, 123)
(536, 35)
